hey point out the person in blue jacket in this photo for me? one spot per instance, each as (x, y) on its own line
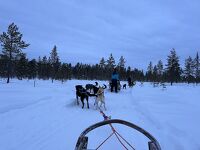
(114, 80)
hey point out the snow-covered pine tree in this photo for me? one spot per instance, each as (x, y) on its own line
(173, 67)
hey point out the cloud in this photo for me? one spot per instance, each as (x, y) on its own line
(85, 31)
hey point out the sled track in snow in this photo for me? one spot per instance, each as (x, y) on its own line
(23, 106)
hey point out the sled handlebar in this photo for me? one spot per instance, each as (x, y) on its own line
(83, 139)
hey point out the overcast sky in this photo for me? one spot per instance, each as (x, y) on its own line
(87, 30)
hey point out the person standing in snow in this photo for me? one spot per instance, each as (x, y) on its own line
(114, 80)
(129, 81)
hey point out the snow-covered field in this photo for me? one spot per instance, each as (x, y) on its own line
(46, 117)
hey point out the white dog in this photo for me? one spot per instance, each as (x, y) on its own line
(100, 98)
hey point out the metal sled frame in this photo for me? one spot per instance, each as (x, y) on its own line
(83, 139)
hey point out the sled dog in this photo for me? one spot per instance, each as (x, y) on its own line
(100, 98)
(83, 94)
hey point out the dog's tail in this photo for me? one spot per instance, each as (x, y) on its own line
(104, 86)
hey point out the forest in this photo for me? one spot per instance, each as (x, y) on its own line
(15, 64)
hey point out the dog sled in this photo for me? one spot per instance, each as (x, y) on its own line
(83, 140)
(131, 83)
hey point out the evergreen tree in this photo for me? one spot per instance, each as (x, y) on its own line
(111, 62)
(12, 44)
(39, 67)
(137, 75)
(102, 68)
(128, 72)
(150, 68)
(44, 68)
(63, 72)
(149, 74)
(54, 55)
(155, 73)
(102, 63)
(197, 68)
(173, 68)
(77, 71)
(32, 69)
(3, 65)
(121, 63)
(69, 71)
(54, 61)
(160, 70)
(188, 72)
(142, 77)
(160, 67)
(121, 66)
(22, 66)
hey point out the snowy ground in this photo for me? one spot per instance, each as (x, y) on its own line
(46, 117)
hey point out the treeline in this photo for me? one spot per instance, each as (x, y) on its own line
(51, 68)
(172, 72)
(14, 63)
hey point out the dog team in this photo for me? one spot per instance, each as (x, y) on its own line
(96, 91)
(85, 93)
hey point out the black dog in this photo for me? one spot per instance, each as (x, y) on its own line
(132, 83)
(105, 86)
(95, 89)
(124, 86)
(83, 94)
(89, 87)
(96, 83)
